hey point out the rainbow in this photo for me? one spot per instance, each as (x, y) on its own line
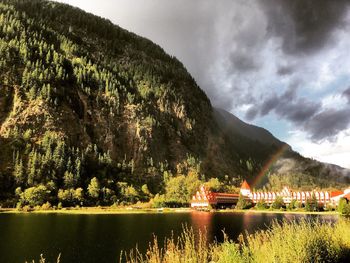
(269, 163)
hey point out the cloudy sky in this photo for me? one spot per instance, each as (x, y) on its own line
(280, 64)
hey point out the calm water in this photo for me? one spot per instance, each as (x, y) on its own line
(100, 238)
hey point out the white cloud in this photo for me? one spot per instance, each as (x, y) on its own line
(337, 152)
(334, 100)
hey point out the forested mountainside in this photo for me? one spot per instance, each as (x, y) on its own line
(88, 108)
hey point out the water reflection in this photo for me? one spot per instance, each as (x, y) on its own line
(202, 221)
(100, 238)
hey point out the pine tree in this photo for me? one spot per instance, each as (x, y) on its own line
(18, 172)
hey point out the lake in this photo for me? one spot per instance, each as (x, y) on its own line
(100, 238)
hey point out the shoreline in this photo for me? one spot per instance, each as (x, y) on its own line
(130, 210)
(97, 211)
(252, 211)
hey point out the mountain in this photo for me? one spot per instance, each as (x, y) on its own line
(232, 125)
(81, 98)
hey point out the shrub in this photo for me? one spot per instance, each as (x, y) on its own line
(243, 203)
(261, 205)
(158, 201)
(311, 204)
(19, 206)
(35, 196)
(27, 208)
(343, 207)
(292, 205)
(46, 206)
(278, 203)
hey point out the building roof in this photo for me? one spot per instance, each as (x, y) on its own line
(336, 193)
(245, 185)
(225, 194)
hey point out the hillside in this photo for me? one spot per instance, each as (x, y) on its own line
(230, 124)
(81, 98)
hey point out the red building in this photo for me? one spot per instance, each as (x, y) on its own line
(205, 198)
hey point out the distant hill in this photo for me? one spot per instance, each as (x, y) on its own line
(83, 98)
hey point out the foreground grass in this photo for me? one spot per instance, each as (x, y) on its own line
(43, 260)
(303, 241)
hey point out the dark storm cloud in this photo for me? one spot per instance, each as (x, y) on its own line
(251, 113)
(297, 111)
(346, 94)
(288, 106)
(285, 70)
(269, 104)
(291, 93)
(299, 29)
(304, 26)
(320, 124)
(328, 124)
(242, 62)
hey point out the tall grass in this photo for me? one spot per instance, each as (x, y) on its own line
(302, 241)
(43, 260)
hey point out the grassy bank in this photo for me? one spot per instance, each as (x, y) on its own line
(305, 241)
(276, 211)
(131, 210)
(98, 210)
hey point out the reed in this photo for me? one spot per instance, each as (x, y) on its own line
(295, 241)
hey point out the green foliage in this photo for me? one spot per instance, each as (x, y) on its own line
(128, 193)
(18, 171)
(36, 195)
(180, 189)
(261, 205)
(343, 207)
(176, 190)
(94, 188)
(214, 185)
(311, 204)
(145, 191)
(131, 194)
(292, 205)
(278, 203)
(243, 203)
(70, 196)
(158, 201)
(46, 206)
(69, 179)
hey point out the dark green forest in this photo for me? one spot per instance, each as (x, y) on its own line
(92, 114)
(54, 56)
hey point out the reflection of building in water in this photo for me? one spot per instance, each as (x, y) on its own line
(203, 221)
(205, 198)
